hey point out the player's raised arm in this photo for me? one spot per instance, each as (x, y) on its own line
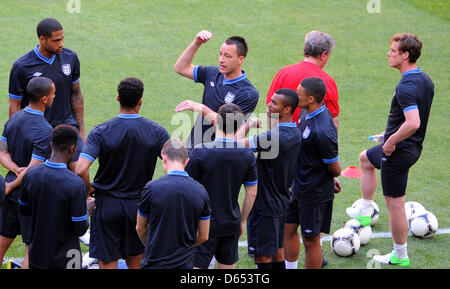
(184, 66)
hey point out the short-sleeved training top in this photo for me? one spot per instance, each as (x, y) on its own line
(218, 91)
(173, 204)
(55, 198)
(222, 167)
(414, 91)
(27, 135)
(63, 69)
(127, 148)
(277, 157)
(313, 184)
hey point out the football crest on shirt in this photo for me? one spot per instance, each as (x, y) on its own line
(36, 74)
(229, 97)
(306, 132)
(66, 69)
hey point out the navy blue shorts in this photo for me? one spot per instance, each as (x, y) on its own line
(313, 219)
(265, 234)
(224, 248)
(13, 223)
(395, 168)
(113, 229)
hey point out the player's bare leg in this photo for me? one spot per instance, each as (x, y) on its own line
(134, 262)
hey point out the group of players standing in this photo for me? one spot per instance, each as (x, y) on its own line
(192, 214)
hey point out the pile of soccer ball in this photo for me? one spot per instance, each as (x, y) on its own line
(346, 241)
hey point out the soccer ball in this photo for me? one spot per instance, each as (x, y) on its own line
(345, 242)
(375, 214)
(423, 224)
(364, 233)
(413, 207)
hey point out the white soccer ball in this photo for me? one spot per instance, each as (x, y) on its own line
(364, 232)
(413, 207)
(375, 214)
(423, 224)
(345, 242)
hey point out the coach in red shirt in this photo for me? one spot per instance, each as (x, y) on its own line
(317, 51)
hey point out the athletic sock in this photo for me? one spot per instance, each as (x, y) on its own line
(291, 265)
(366, 207)
(278, 265)
(264, 266)
(401, 251)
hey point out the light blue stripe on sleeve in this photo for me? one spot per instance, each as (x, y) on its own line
(330, 161)
(23, 204)
(13, 96)
(39, 158)
(4, 139)
(142, 214)
(248, 184)
(88, 157)
(73, 82)
(410, 108)
(205, 218)
(79, 219)
(194, 73)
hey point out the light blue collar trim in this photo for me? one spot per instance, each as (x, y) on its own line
(412, 71)
(33, 111)
(178, 173)
(316, 112)
(223, 139)
(287, 124)
(55, 165)
(42, 57)
(234, 80)
(129, 116)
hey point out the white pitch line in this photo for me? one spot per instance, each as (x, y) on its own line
(374, 236)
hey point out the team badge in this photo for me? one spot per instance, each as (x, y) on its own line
(229, 97)
(36, 74)
(306, 132)
(66, 69)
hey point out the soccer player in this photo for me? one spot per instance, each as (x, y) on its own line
(317, 50)
(127, 148)
(222, 167)
(25, 142)
(265, 224)
(402, 145)
(317, 169)
(55, 198)
(226, 83)
(173, 213)
(50, 59)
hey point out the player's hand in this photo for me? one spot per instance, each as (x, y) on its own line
(388, 148)
(8, 188)
(202, 37)
(188, 105)
(90, 205)
(19, 170)
(337, 186)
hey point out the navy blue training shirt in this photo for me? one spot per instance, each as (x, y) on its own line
(218, 91)
(27, 135)
(414, 91)
(173, 204)
(127, 148)
(222, 167)
(277, 150)
(313, 184)
(63, 69)
(55, 198)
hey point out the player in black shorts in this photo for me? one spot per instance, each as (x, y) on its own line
(173, 214)
(227, 83)
(401, 147)
(317, 166)
(265, 224)
(127, 148)
(50, 59)
(55, 198)
(222, 167)
(25, 141)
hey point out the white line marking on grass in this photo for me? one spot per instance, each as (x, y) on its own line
(374, 236)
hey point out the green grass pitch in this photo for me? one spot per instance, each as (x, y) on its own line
(116, 39)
